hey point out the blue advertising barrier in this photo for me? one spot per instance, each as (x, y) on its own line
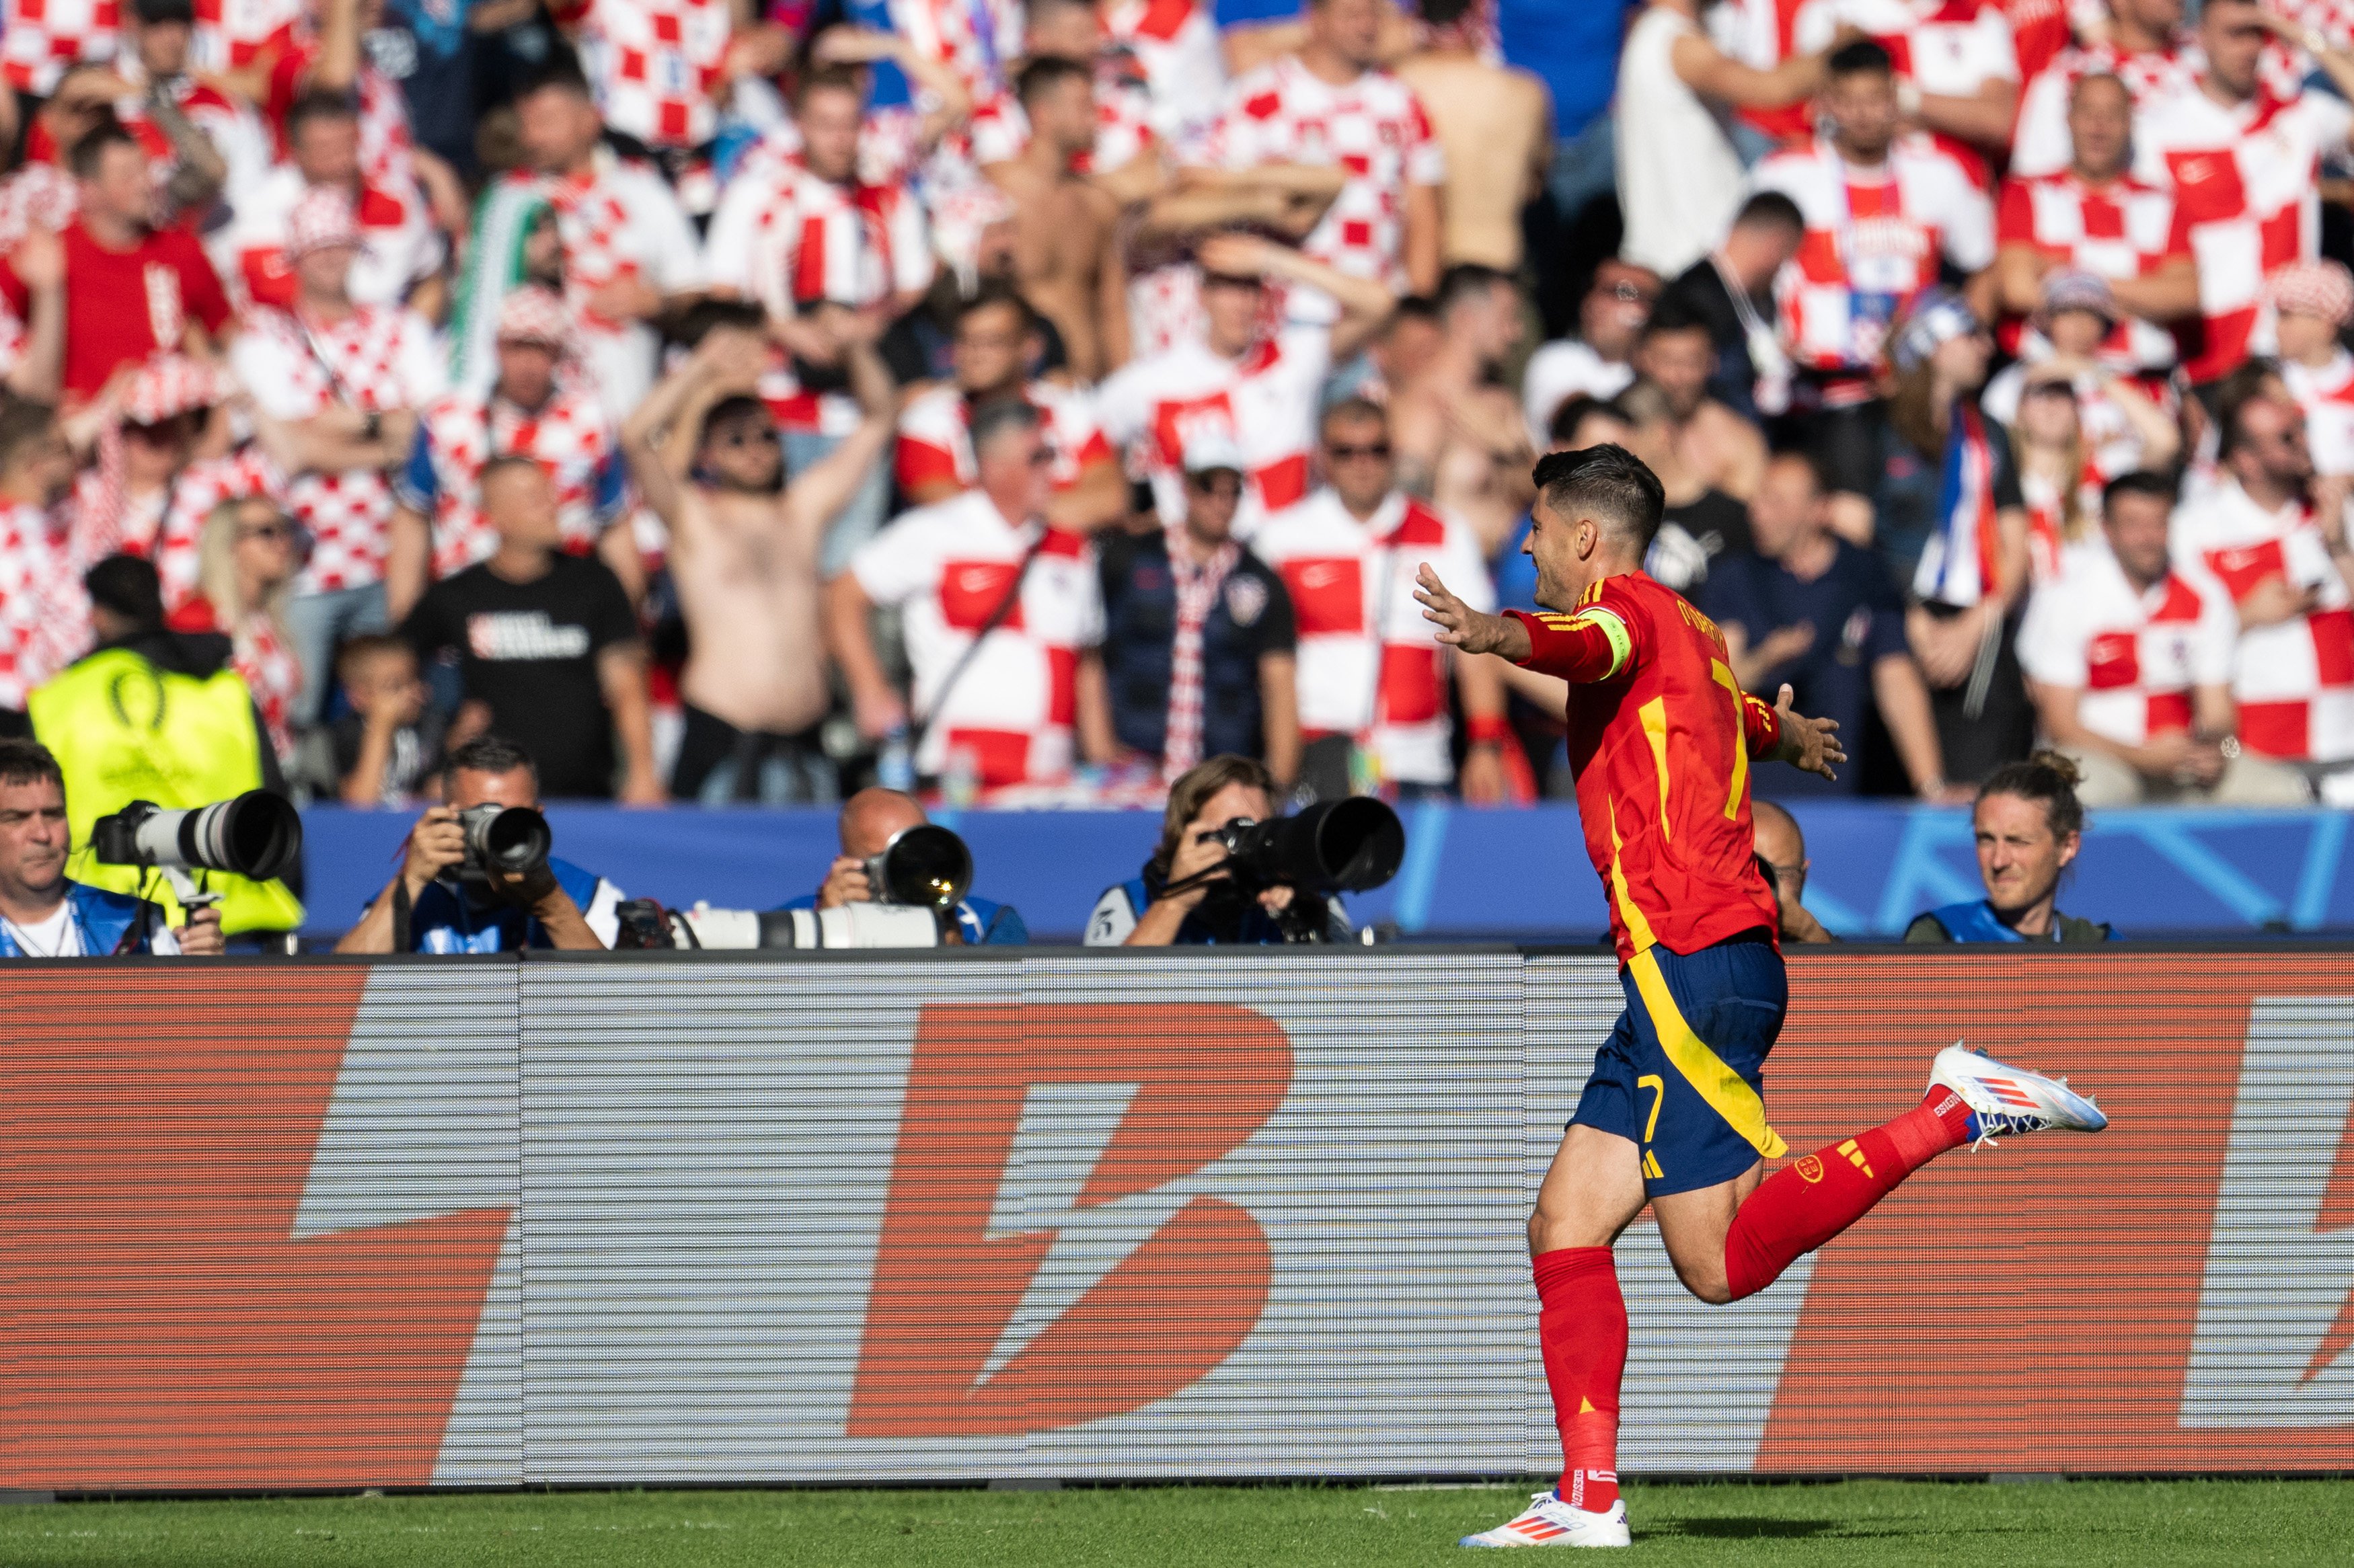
(1518, 875)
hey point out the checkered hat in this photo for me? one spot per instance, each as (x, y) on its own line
(170, 384)
(2070, 289)
(1939, 316)
(2324, 289)
(534, 314)
(322, 220)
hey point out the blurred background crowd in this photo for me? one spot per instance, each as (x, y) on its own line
(725, 400)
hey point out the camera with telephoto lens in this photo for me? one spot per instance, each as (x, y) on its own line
(511, 839)
(255, 835)
(1352, 845)
(917, 881)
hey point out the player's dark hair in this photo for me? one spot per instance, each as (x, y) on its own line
(91, 150)
(1576, 410)
(129, 588)
(1191, 792)
(1859, 59)
(997, 417)
(999, 296)
(1770, 209)
(320, 104)
(1672, 314)
(2049, 779)
(26, 761)
(2146, 481)
(1044, 74)
(1468, 280)
(1608, 482)
(2245, 385)
(24, 424)
(836, 78)
(490, 754)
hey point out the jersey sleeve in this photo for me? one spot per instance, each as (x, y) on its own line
(261, 361)
(1425, 158)
(2014, 215)
(1761, 725)
(898, 563)
(1964, 220)
(2048, 649)
(1594, 644)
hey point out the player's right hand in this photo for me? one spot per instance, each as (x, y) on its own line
(435, 843)
(1808, 744)
(1461, 626)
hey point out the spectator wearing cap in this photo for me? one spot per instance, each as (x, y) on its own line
(1731, 289)
(2123, 422)
(2312, 305)
(1200, 648)
(347, 381)
(541, 404)
(1596, 362)
(132, 290)
(1954, 522)
(401, 251)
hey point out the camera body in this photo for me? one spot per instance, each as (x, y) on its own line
(255, 835)
(1352, 845)
(511, 839)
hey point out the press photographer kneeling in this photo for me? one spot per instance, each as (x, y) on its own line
(46, 915)
(477, 877)
(1229, 872)
(873, 823)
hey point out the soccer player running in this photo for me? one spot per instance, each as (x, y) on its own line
(1661, 738)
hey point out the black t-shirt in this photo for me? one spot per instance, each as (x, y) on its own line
(1717, 522)
(1252, 619)
(1701, 290)
(529, 651)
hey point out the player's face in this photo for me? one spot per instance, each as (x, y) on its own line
(2100, 121)
(1065, 114)
(991, 348)
(1211, 500)
(1862, 109)
(121, 185)
(1563, 571)
(558, 129)
(1963, 360)
(1357, 462)
(1018, 466)
(1232, 305)
(2272, 432)
(34, 838)
(164, 48)
(828, 125)
(2047, 416)
(2020, 857)
(2234, 38)
(1679, 363)
(265, 544)
(2136, 526)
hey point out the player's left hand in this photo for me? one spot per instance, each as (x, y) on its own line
(1808, 744)
(1461, 626)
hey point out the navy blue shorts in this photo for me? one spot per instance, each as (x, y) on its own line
(1683, 1073)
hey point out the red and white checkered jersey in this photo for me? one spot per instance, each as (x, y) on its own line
(273, 674)
(1000, 130)
(44, 612)
(2247, 182)
(890, 146)
(619, 219)
(789, 239)
(230, 35)
(1374, 127)
(936, 436)
(37, 195)
(1265, 401)
(951, 566)
(400, 246)
(1175, 43)
(2121, 229)
(38, 38)
(1370, 665)
(168, 525)
(2326, 395)
(376, 358)
(2294, 681)
(2039, 143)
(975, 37)
(1951, 48)
(571, 437)
(656, 64)
(2135, 654)
(235, 131)
(1872, 241)
(388, 140)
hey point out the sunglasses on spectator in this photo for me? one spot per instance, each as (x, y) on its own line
(1378, 450)
(175, 428)
(1227, 281)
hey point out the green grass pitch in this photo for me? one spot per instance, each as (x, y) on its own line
(1884, 1524)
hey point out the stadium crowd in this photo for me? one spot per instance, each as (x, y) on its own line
(732, 401)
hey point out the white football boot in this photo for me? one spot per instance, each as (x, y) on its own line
(1549, 1521)
(2004, 1099)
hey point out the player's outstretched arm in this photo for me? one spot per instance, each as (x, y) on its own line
(1808, 744)
(1461, 626)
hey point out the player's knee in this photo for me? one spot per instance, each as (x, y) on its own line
(1705, 1279)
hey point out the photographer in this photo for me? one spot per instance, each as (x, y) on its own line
(556, 904)
(44, 915)
(870, 820)
(1204, 800)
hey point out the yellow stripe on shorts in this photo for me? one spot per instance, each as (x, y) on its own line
(1727, 1093)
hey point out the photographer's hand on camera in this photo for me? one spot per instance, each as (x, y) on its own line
(435, 843)
(1199, 851)
(539, 894)
(201, 936)
(845, 883)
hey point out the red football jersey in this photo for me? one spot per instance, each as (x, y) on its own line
(1660, 737)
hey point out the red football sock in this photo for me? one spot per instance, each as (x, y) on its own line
(1581, 1325)
(1811, 1200)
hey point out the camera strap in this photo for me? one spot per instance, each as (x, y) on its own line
(400, 912)
(997, 618)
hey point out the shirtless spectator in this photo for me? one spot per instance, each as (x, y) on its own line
(132, 290)
(1731, 289)
(541, 405)
(1594, 364)
(744, 558)
(1126, 159)
(1716, 446)
(1460, 440)
(1332, 103)
(1494, 124)
(1066, 252)
(996, 342)
(1259, 386)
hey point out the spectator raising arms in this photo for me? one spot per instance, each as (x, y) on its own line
(1459, 443)
(744, 562)
(1065, 250)
(1494, 126)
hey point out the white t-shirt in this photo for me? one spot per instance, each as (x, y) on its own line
(59, 937)
(1678, 177)
(1560, 371)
